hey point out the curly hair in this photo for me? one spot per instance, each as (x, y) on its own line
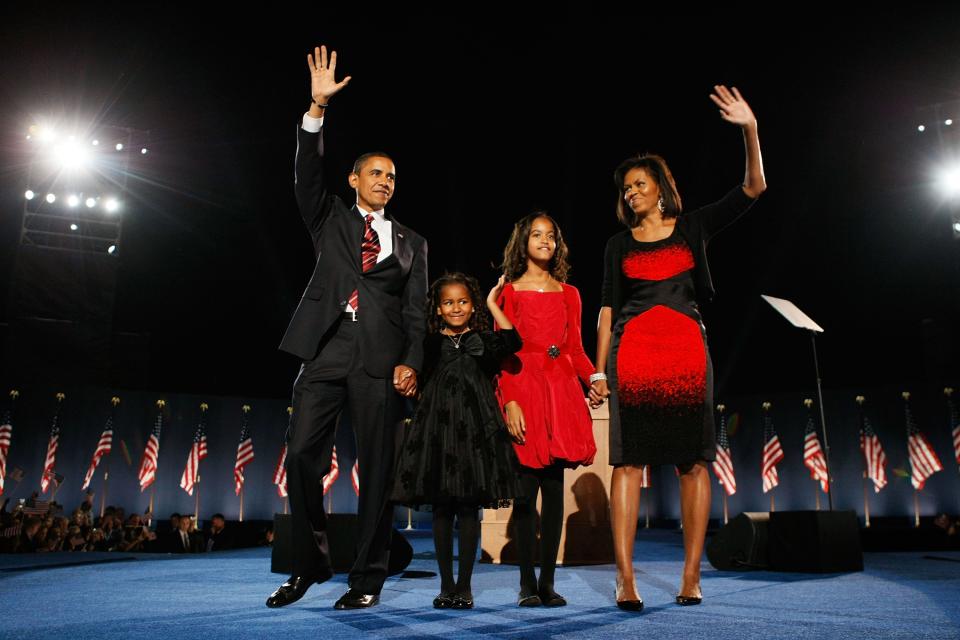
(658, 170)
(479, 321)
(515, 254)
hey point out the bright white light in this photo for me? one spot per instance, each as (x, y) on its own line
(119, 146)
(948, 122)
(112, 248)
(29, 195)
(956, 227)
(143, 151)
(73, 200)
(29, 137)
(95, 143)
(51, 198)
(71, 155)
(73, 227)
(91, 203)
(46, 134)
(921, 128)
(111, 205)
(948, 181)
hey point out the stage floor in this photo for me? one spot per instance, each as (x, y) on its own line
(100, 596)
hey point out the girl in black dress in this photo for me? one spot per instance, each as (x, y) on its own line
(457, 455)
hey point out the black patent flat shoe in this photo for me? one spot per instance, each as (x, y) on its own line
(443, 601)
(532, 600)
(461, 601)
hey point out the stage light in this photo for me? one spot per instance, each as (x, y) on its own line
(143, 151)
(73, 227)
(91, 203)
(29, 195)
(119, 146)
(921, 128)
(51, 198)
(111, 205)
(956, 227)
(112, 249)
(73, 200)
(948, 122)
(46, 134)
(948, 181)
(95, 143)
(71, 155)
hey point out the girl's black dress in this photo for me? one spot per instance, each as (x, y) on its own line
(457, 448)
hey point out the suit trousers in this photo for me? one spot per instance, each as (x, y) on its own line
(335, 379)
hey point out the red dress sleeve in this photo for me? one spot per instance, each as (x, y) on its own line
(507, 388)
(574, 346)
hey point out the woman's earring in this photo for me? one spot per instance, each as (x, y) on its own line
(660, 204)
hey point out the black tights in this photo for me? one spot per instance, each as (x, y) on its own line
(466, 515)
(549, 482)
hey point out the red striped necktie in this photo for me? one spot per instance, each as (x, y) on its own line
(369, 250)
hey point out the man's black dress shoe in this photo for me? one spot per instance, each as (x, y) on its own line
(294, 588)
(354, 599)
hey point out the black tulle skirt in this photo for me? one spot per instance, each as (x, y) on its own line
(457, 448)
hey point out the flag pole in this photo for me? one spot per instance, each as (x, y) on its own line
(772, 506)
(241, 504)
(816, 493)
(286, 505)
(409, 519)
(150, 506)
(948, 391)
(106, 468)
(725, 517)
(866, 473)
(916, 509)
(196, 504)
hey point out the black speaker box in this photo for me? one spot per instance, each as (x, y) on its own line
(741, 544)
(801, 541)
(342, 536)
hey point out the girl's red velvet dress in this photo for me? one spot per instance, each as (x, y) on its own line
(543, 377)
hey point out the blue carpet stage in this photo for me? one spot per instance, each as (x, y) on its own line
(899, 595)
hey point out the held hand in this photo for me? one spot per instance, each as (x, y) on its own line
(516, 424)
(598, 393)
(323, 84)
(733, 108)
(405, 380)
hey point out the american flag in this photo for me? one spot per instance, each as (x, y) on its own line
(104, 445)
(723, 465)
(35, 507)
(873, 455)
(51, 459)
(813, 456)
(148, 464)
(198, 451)
(645, 482)
(355, 476)
(280, 473)
(923, 460)
(6, 434)
(772, 454)
(334, 473)
(954, 422)
(244, 453)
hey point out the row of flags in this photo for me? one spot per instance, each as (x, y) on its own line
(147, 470)
(924, 461)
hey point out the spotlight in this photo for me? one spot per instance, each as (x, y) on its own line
(143, 151)
(112, 249)
(956, 227)
(91, 203)
(95, 143)
(29, 195)
(46, 134)
(111, 205)
(73, 227)
(948, 121)
(51, 198)
(73, 200)
(948, 182)
(119, 146)
(71, 155)
(921, 128)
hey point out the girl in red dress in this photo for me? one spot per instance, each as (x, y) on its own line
(541, 395)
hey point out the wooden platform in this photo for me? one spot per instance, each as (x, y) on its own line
(586, 537)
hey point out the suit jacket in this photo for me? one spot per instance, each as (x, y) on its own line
(392, 293)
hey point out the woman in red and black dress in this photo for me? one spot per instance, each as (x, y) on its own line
(653, 342)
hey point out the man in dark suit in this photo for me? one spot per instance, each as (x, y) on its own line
(358, 331)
